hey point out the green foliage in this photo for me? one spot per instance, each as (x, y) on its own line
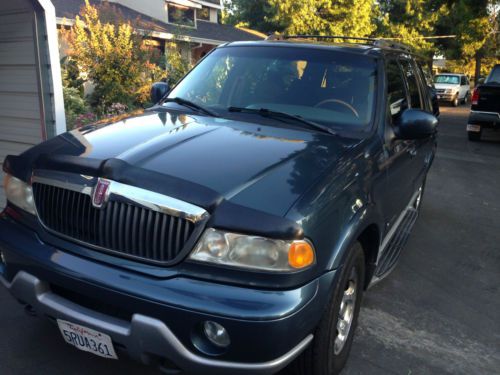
(471, 21)
(325, 17)
(255, 14)
(74, 103)
(409, 22)
(322, 17)
(74, 106)
(176, 65)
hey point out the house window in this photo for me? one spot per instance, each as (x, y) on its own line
(181, 15)
(203, 14)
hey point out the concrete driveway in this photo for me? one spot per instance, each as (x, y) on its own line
(437, 313)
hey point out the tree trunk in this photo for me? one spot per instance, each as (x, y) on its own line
(477, 73)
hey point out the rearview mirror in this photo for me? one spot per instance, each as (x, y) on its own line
(158, 91)
(416, 124)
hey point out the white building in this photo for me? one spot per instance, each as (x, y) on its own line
(31, 101)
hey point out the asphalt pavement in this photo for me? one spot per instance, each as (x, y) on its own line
(437, 313)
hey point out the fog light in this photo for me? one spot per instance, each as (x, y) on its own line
(217, 334)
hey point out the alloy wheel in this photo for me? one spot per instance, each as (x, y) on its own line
(346, 311)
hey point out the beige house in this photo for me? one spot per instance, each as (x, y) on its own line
(194, 24)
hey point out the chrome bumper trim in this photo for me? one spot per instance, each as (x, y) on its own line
(142, 197)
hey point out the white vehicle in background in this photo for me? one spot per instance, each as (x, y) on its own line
(452, 88)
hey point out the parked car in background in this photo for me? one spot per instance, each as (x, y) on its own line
(452, 88)
(485, 109)
(234, 227)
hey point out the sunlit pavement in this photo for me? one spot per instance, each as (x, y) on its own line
(437, 313)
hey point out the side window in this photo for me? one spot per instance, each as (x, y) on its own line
(427, 84)
(426, 74)
(411, 78)
(463, 82)
(396, 92)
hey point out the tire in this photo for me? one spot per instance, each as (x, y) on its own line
(474, 136)
(455, 101)
(466, 98)
(328, 353)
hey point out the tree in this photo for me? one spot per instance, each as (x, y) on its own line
(326, 17)
(410, 22)
(254, 14)
(321, 17)
(475, 24)
(113, 57)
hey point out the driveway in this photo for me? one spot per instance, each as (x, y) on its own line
(437, 313)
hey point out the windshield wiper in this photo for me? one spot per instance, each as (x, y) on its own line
(264, 112)
(190, 104)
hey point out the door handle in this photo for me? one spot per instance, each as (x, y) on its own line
(412, 151)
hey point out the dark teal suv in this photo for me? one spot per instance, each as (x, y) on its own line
(233, 227)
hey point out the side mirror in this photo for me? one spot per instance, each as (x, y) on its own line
(158, 91)
(416, 124)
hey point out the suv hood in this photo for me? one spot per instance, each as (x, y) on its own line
(254, 165)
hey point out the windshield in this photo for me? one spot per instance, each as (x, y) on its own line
(331, 88)
(442, 78)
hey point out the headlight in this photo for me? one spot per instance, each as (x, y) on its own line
(449, 91)
(19, 193)
(254, 252)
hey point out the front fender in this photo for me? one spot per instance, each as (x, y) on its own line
(364, 217)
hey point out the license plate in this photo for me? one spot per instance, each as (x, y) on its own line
(87, 339)
(473, 128)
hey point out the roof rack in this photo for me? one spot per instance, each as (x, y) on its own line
(376, 42)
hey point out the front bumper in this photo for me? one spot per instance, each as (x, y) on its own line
(155, 320)
(446, 97)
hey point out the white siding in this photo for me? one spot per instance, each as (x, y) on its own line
(20, 122)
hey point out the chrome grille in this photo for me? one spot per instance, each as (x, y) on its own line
(120, 227)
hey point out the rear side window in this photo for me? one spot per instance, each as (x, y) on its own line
(396, 92)
(494, 76)
(411, 78)
(426, 74)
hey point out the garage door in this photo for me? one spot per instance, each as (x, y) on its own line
(20, 115)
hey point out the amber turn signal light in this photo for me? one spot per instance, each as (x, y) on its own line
(301, 254)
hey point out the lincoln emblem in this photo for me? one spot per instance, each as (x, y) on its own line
(100, 191)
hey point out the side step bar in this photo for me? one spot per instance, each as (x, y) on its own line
(396, 244)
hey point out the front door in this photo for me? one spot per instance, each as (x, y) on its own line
(399, 154)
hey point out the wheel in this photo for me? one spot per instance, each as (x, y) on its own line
(455, 101)
(333, 337)
(474, 136)
(466, 98)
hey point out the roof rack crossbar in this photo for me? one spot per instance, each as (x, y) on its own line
(304, 36)
(376, 42)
